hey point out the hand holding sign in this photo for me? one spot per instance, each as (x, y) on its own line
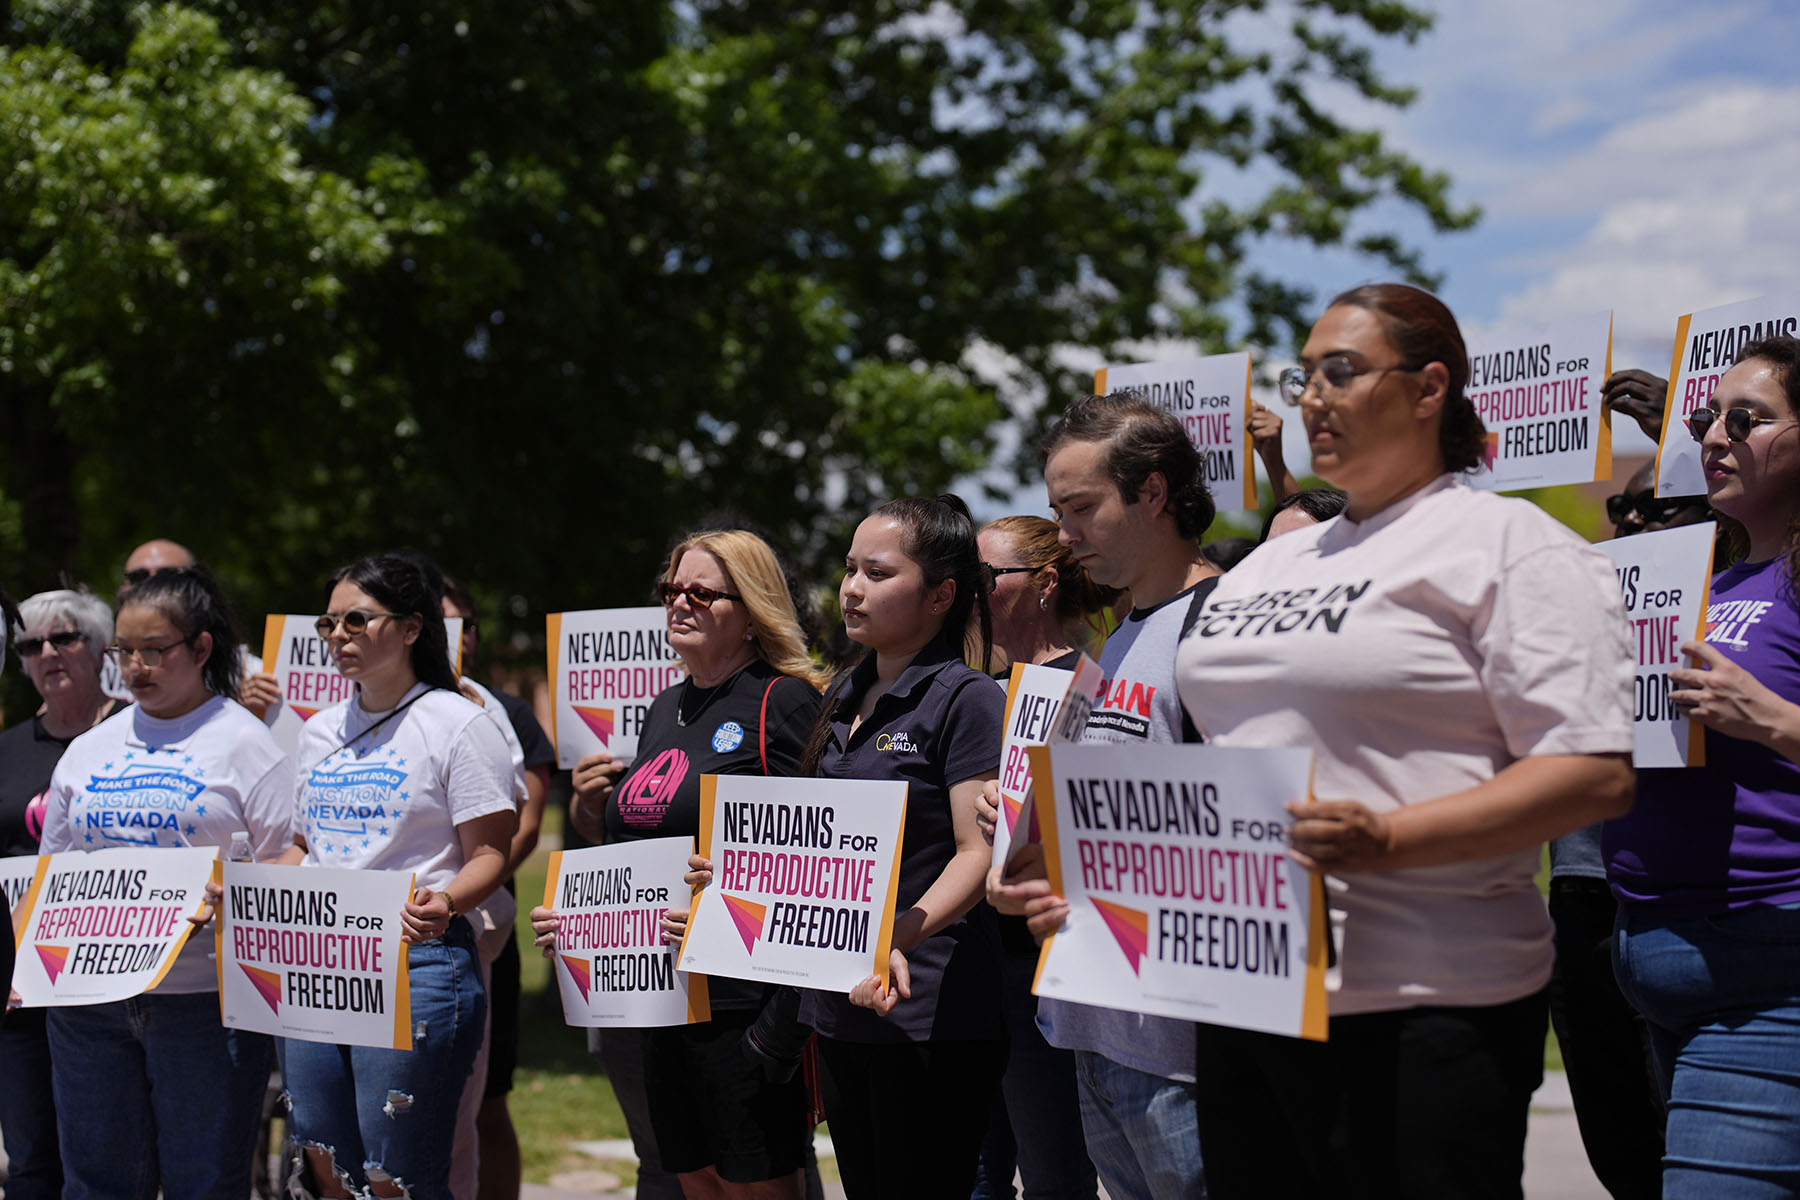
(1722, 695)
(882, 995)
(1640, 396)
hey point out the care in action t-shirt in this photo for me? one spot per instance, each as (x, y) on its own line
(385, 791)
(1418, 653)
(192, 780)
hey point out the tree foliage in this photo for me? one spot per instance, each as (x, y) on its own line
(531, 285)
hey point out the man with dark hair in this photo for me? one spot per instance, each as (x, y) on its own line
(1129, 491)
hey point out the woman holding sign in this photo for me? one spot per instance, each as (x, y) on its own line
(405, 775)
(1707, 943)
(153, 1091)
(912, 1059)
(728, 1110)
(1457, 663)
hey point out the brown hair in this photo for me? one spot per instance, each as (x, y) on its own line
(1140, 438)
(1079, 600)
(1424, 331)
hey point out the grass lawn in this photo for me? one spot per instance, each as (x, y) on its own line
(559, 1093)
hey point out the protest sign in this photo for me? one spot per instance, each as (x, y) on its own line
(606, 665)
(1663, 579)
(307, 675)
(1706, 343)
(805, 872)
(103, 925)
(1538, 390)
(1211, 398)
(314, 953)
(16, 874)
(1182, 899)
(1043, 705)
(612, 966)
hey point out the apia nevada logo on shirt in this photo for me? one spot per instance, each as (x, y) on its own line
(898, 743)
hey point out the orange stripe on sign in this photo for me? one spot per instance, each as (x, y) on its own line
(1669, 426)
(1603, 452)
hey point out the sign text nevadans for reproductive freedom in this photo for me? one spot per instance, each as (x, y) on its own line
(606, 666)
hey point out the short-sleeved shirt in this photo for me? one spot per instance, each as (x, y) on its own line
(938, 725)
(385, 791)
(536, 747)
(193, 780)
(1417, 654)
(1137, 705)
(725, 734)
(1704, 840)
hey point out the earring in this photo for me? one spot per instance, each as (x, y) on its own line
(1043, 604)
(749, 635)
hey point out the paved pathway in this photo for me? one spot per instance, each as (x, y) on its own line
(1556, 1167)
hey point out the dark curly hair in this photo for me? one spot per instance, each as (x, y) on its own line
(1424, 331)
(1140, 438)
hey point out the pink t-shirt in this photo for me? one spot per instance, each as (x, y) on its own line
(1417, 654)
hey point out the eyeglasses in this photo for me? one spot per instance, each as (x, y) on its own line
(150, 656)
(1650, 509)
(354, 621)
(1739, 423)
(137, 575)
(997, 572)
(1335, 372)
(699, 597)
(31, 647)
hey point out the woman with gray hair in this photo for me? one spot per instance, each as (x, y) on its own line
(62, 637)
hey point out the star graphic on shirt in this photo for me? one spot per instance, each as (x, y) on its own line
(190, 830)
(325, 846)
(88, 838)
(365, 843)
(405, 796)
(383, 831)
(107, 767)
(188, 759)
(199, 810)
(130, 754)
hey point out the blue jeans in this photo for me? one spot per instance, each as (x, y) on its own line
(1141, 1131)
(153, 1092)
(391, 1114)
(1722, 995)
(28, 1110)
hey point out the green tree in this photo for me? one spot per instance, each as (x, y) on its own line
(601, 272)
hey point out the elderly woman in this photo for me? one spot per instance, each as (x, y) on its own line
(727, 1110)
(1457, 663)
(62, 644)
(1707, 942)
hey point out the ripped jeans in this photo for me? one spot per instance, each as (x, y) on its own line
(387, 1118)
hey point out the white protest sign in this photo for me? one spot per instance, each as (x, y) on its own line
(1211, 398)
(1043, 705)
(104, 925)
(16, 874)
(1182, 899)
(606, 665)
(1663, 578)
(805, 872)
(1538, 390)
(307, 675)
(314, 953)
(612, 966)
(1706, 343)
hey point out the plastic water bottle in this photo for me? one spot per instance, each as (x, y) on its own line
(240, 848)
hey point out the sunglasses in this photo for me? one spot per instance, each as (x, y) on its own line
(354, 621)
(31, 647)
(150, 656)
(1739, 423)
(1650, 509)
(137, 575)
(699, 597)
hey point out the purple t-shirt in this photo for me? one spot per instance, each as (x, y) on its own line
(1703, 840)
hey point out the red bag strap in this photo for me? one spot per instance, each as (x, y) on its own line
(762, 726)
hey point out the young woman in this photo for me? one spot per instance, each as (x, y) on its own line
(153, 1092)
(1707, 864)
(911, 1059)
(63, 643)
(1457, 663)
(727, 1118)
(448, 819)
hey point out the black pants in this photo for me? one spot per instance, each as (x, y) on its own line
(1605, 1045)
(907, 1119)
(1424, 1102)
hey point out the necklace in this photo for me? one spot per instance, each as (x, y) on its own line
(687, 685)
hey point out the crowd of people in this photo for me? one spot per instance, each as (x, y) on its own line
(1470, 701)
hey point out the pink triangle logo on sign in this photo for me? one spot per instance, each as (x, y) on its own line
(54, 958)
(580, 970)
(1129, 926)
(748, 916)
(267, 985)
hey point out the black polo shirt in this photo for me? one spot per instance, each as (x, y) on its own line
(940, 723)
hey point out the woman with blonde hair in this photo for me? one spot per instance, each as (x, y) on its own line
(1045, 607)
(723, 1101)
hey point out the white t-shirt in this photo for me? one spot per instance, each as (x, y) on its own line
(508, 734)
(387, 795)
(192, 780)
(1417, 654)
